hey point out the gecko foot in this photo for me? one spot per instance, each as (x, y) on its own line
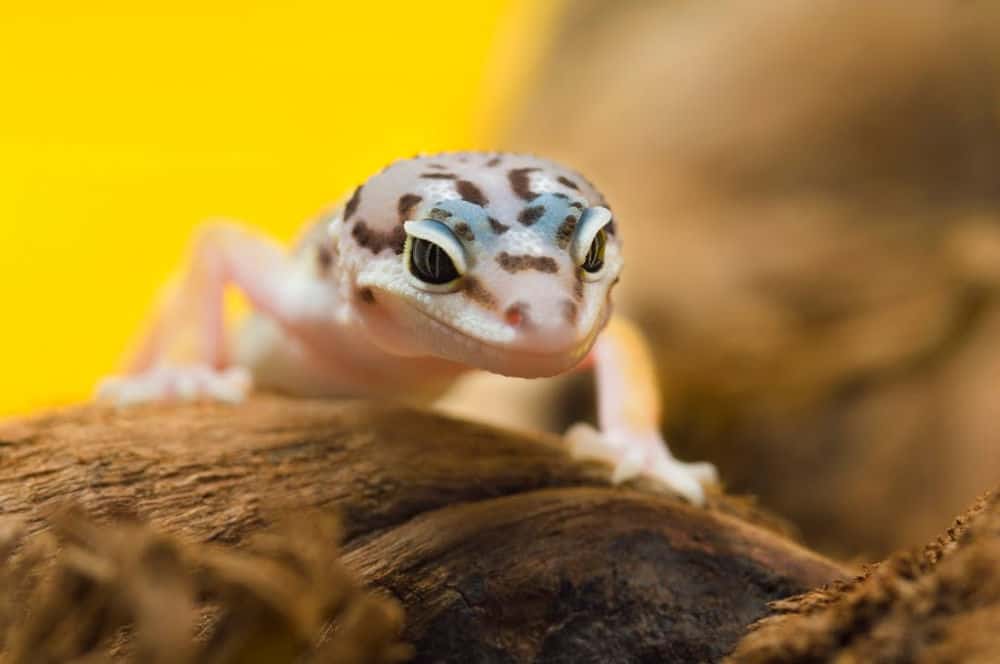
(633, 456)
(176, 383)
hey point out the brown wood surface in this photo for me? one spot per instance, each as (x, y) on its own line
(500, 548)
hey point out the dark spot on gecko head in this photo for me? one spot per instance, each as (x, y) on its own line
(439, 176)
(437, 214)
(352, 203)
(565, 231)
(561, 195)
(492, 163)
(570, 311)
(578, 286)
(576, 204)
(566, 182)
(497, 227)
(463, 231)
(376, 241)
(366, 295)
(520, 182)
(406, 204)
(512, 263)
(471, 193)
(474, 290)
(438, 167)
(324, 259)
(397, 239)
(530, 215)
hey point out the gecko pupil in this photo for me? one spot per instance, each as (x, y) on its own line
(430, 263)
(595, 255)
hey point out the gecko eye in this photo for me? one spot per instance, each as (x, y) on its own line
(590, 240)
(434, 258)
(595, 255)
(430, 263)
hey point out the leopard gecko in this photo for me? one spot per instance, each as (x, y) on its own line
(433, 267)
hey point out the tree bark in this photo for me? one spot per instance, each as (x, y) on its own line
(498, 545)
(920, 606)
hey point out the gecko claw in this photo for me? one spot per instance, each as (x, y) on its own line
(644, 456)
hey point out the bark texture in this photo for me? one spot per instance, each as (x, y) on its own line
(498, 546)
(936, 604)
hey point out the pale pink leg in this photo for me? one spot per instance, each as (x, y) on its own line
(629, 417)
(184, 355)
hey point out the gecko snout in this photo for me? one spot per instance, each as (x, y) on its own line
(543, 326)
(516, 314)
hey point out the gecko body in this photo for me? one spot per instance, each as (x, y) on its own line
(435, 266)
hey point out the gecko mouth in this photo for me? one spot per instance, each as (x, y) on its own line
(499, 357)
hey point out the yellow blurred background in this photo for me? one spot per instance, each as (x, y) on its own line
(124, 125)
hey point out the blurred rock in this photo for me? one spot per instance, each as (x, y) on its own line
(811, 212)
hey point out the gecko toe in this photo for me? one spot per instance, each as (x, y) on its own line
(704, 472)
(628, 467)
(586, 442)
(169, 384)
(681, 478)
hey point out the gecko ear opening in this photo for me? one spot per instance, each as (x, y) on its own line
(433, 257)
(589, 241)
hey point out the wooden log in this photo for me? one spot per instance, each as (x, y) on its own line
(498, 545)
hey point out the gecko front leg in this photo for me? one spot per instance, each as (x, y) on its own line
(628, 414)
(184, 353)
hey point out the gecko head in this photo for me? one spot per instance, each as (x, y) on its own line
(523, 296)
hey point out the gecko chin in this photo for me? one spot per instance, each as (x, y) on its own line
(520, 363)
(515, 361)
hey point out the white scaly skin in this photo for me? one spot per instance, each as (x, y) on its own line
(347, 312)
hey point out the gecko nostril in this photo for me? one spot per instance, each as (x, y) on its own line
(516, 314)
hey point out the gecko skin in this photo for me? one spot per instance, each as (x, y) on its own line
(433, 267)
